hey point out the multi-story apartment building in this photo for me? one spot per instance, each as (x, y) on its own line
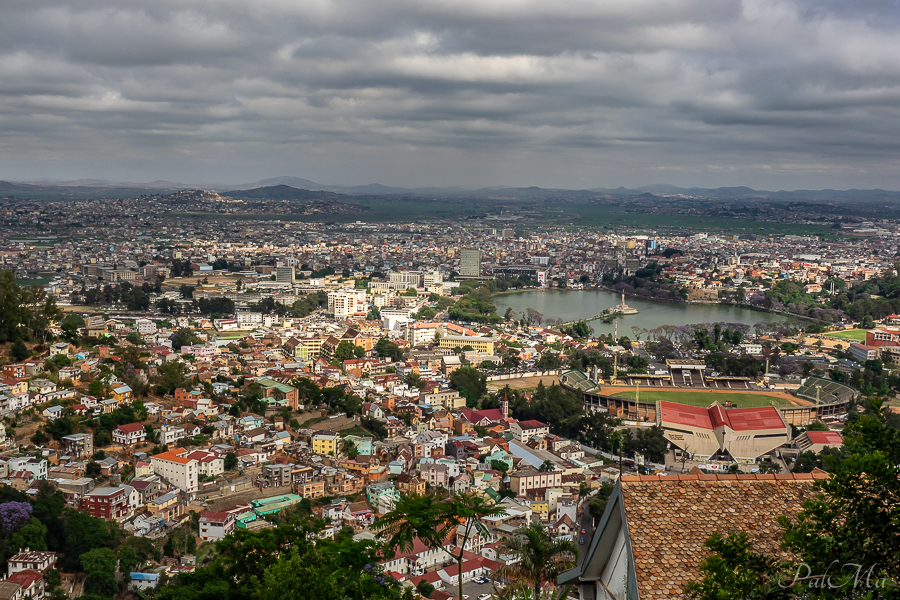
(470, 262)
(525, 430)
(346, 303)
(175, 467)
(77, 445)
(249, 320)
(284, 274)
(36, 466)
(128, 434)
(326, 441)
(208, 463)
(106, 503)
(31, 560)
(477, 343)
(449, 399)
(401, 280)
(215, 525)
(530, 478)
(145, 326)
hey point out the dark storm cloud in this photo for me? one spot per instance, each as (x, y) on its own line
(468, 92)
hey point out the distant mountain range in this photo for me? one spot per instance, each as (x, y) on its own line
(303, 189)
(283, 192)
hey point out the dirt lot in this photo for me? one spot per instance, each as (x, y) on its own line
(336, 424)
(523, 383)
(245, 496)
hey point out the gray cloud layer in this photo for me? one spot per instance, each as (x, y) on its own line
(567, 93)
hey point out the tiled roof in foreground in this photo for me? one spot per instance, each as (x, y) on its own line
(671, 517)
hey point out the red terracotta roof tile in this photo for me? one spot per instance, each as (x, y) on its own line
(670, 518)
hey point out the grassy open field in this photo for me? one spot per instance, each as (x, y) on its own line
(853, 335)
(741, 399)
(42, 280)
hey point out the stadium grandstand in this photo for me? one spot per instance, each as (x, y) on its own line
(577, 380)
(743, 434)
(825, 391)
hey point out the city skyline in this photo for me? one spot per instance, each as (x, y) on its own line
(771, 95)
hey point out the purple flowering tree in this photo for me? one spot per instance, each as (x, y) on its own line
(13, 516)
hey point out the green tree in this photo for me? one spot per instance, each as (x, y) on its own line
(598, 503)
(128, 561)
(99, 566)
(12, 311)
(83, 533)
(432, 519)
(95, 388)
(541, 556)
(54, 579)
(19, 351)
(350, 449)
(388, 349)
(171, 376)
(344, 351)
(424, 588)
(32, 535)
(140, 411)
(184, 337)
(500, 465)
(414, 380)
(549, 361)
(470, 382)
(231, 461)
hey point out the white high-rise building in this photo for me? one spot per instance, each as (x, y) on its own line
(284, 274)
(346, 303)
(433, 279)
(402, 280)
(470, 262)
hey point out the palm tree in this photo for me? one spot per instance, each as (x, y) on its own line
(541, 557)
(434, 520)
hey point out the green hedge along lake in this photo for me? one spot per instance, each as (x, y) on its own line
(583, 304)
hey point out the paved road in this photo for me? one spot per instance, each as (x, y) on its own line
(586, 522)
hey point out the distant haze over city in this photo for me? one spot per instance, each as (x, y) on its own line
(290, 184)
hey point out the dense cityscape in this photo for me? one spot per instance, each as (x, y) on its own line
(174, 386)
(449, 300)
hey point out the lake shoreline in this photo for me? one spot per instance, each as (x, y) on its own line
(661, 302)
(588, 306)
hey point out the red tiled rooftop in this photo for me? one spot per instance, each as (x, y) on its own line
(671, 517)
(131, 428)
(738, 419)
(831, 438)
(765, 417)
(682, 414)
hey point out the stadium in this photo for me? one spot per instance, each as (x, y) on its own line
(817, 399)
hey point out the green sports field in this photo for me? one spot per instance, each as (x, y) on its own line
(853, 335)
(707, 398)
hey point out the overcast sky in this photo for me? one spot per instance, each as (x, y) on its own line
(555, 93)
